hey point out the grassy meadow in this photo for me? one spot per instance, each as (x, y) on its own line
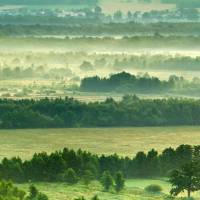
(111, 7)
(123, 141)
(134, 190)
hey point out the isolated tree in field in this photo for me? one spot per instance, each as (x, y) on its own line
(70, 176)
(119, 181)
(107, 180)
(185, 179)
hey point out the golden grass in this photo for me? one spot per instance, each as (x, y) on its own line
(111, 7)
(123, 141)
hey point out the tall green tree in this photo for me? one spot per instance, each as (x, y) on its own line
(107, 180)
(185, 179)
(119, 181)
(70, 176)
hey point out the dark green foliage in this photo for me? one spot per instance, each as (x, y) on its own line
(10, 192)
(95, 198)
(80, 198)
(153, 188)
(130, 111)
(70, 166)
(106, 180)
(70, 176)
(119, 181)
(186, 179)
(88, 176)
(65, 26)
(125, 82)
(34, 194)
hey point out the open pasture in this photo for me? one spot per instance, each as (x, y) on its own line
(123, 141)
(111, 7)
(134, 190)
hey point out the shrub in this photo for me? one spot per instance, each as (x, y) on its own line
(70, 176)
(87, 177)
(107, 180)
(80, 198)
(34, 194)
(119, 181)
(153, 188)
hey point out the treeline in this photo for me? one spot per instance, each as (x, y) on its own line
(130, 111)
(71, 166)
(125, 82)
(37, 72)
(183, 3)
(89, 27)
(157, 62)
(47, 2)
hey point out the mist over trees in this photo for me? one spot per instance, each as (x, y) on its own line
(47, 2)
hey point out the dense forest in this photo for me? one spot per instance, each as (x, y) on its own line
(130, 111)
(91, 27)
(70, 166)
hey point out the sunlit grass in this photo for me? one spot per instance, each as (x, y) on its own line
(123, 141)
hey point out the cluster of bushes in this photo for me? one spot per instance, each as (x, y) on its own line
(70, 166)
(153, 188)
(130, 111)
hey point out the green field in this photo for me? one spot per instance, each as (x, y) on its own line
(123, 141)
(111, 7)
(134, 190)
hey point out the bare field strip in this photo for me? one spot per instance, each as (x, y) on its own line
(123, 141)
(111, 7)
